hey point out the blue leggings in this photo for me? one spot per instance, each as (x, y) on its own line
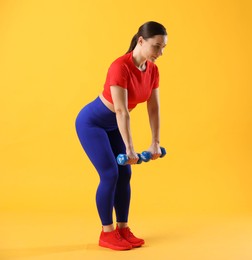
(100, 138)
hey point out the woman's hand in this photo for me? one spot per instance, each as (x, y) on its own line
(133, 157)
(155, 151)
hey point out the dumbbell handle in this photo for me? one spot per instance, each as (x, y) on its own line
(122, 159)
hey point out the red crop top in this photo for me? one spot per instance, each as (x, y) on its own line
(123, 72)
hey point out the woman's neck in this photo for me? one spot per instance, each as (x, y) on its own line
(138, 59)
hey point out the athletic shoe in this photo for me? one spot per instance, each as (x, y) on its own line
(114, 240)
(128, 235)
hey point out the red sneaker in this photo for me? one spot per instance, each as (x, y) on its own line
(114, 240)
(128, 235)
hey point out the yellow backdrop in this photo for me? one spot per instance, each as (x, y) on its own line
(54, 56)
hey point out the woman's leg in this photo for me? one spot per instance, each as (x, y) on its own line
(123, 191)
(96, 144)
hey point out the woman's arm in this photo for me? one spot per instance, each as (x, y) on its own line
(120, 100)
(154, 118)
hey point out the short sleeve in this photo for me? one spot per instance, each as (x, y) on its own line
(118, 75)
(155, 77)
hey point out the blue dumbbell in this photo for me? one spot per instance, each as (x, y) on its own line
(122, 159)
(146, 155)
(163, 152)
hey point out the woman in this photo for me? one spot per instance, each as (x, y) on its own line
(103, 128)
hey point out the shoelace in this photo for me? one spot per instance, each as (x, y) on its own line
(117, 235)
(129, 233)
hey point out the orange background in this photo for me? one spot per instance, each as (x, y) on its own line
(54, 56)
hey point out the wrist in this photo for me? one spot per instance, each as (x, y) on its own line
(129, 148)
(155, 142)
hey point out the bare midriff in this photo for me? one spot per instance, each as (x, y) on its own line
(107, 103)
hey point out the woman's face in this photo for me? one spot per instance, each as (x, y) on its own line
(153, 47)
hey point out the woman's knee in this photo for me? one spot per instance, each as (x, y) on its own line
(109, 176)
(125, 173)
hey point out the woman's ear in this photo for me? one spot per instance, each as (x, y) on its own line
(140, 40)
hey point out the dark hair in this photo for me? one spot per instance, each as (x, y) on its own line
(147, 30)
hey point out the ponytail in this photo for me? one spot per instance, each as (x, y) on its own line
(133, 43)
